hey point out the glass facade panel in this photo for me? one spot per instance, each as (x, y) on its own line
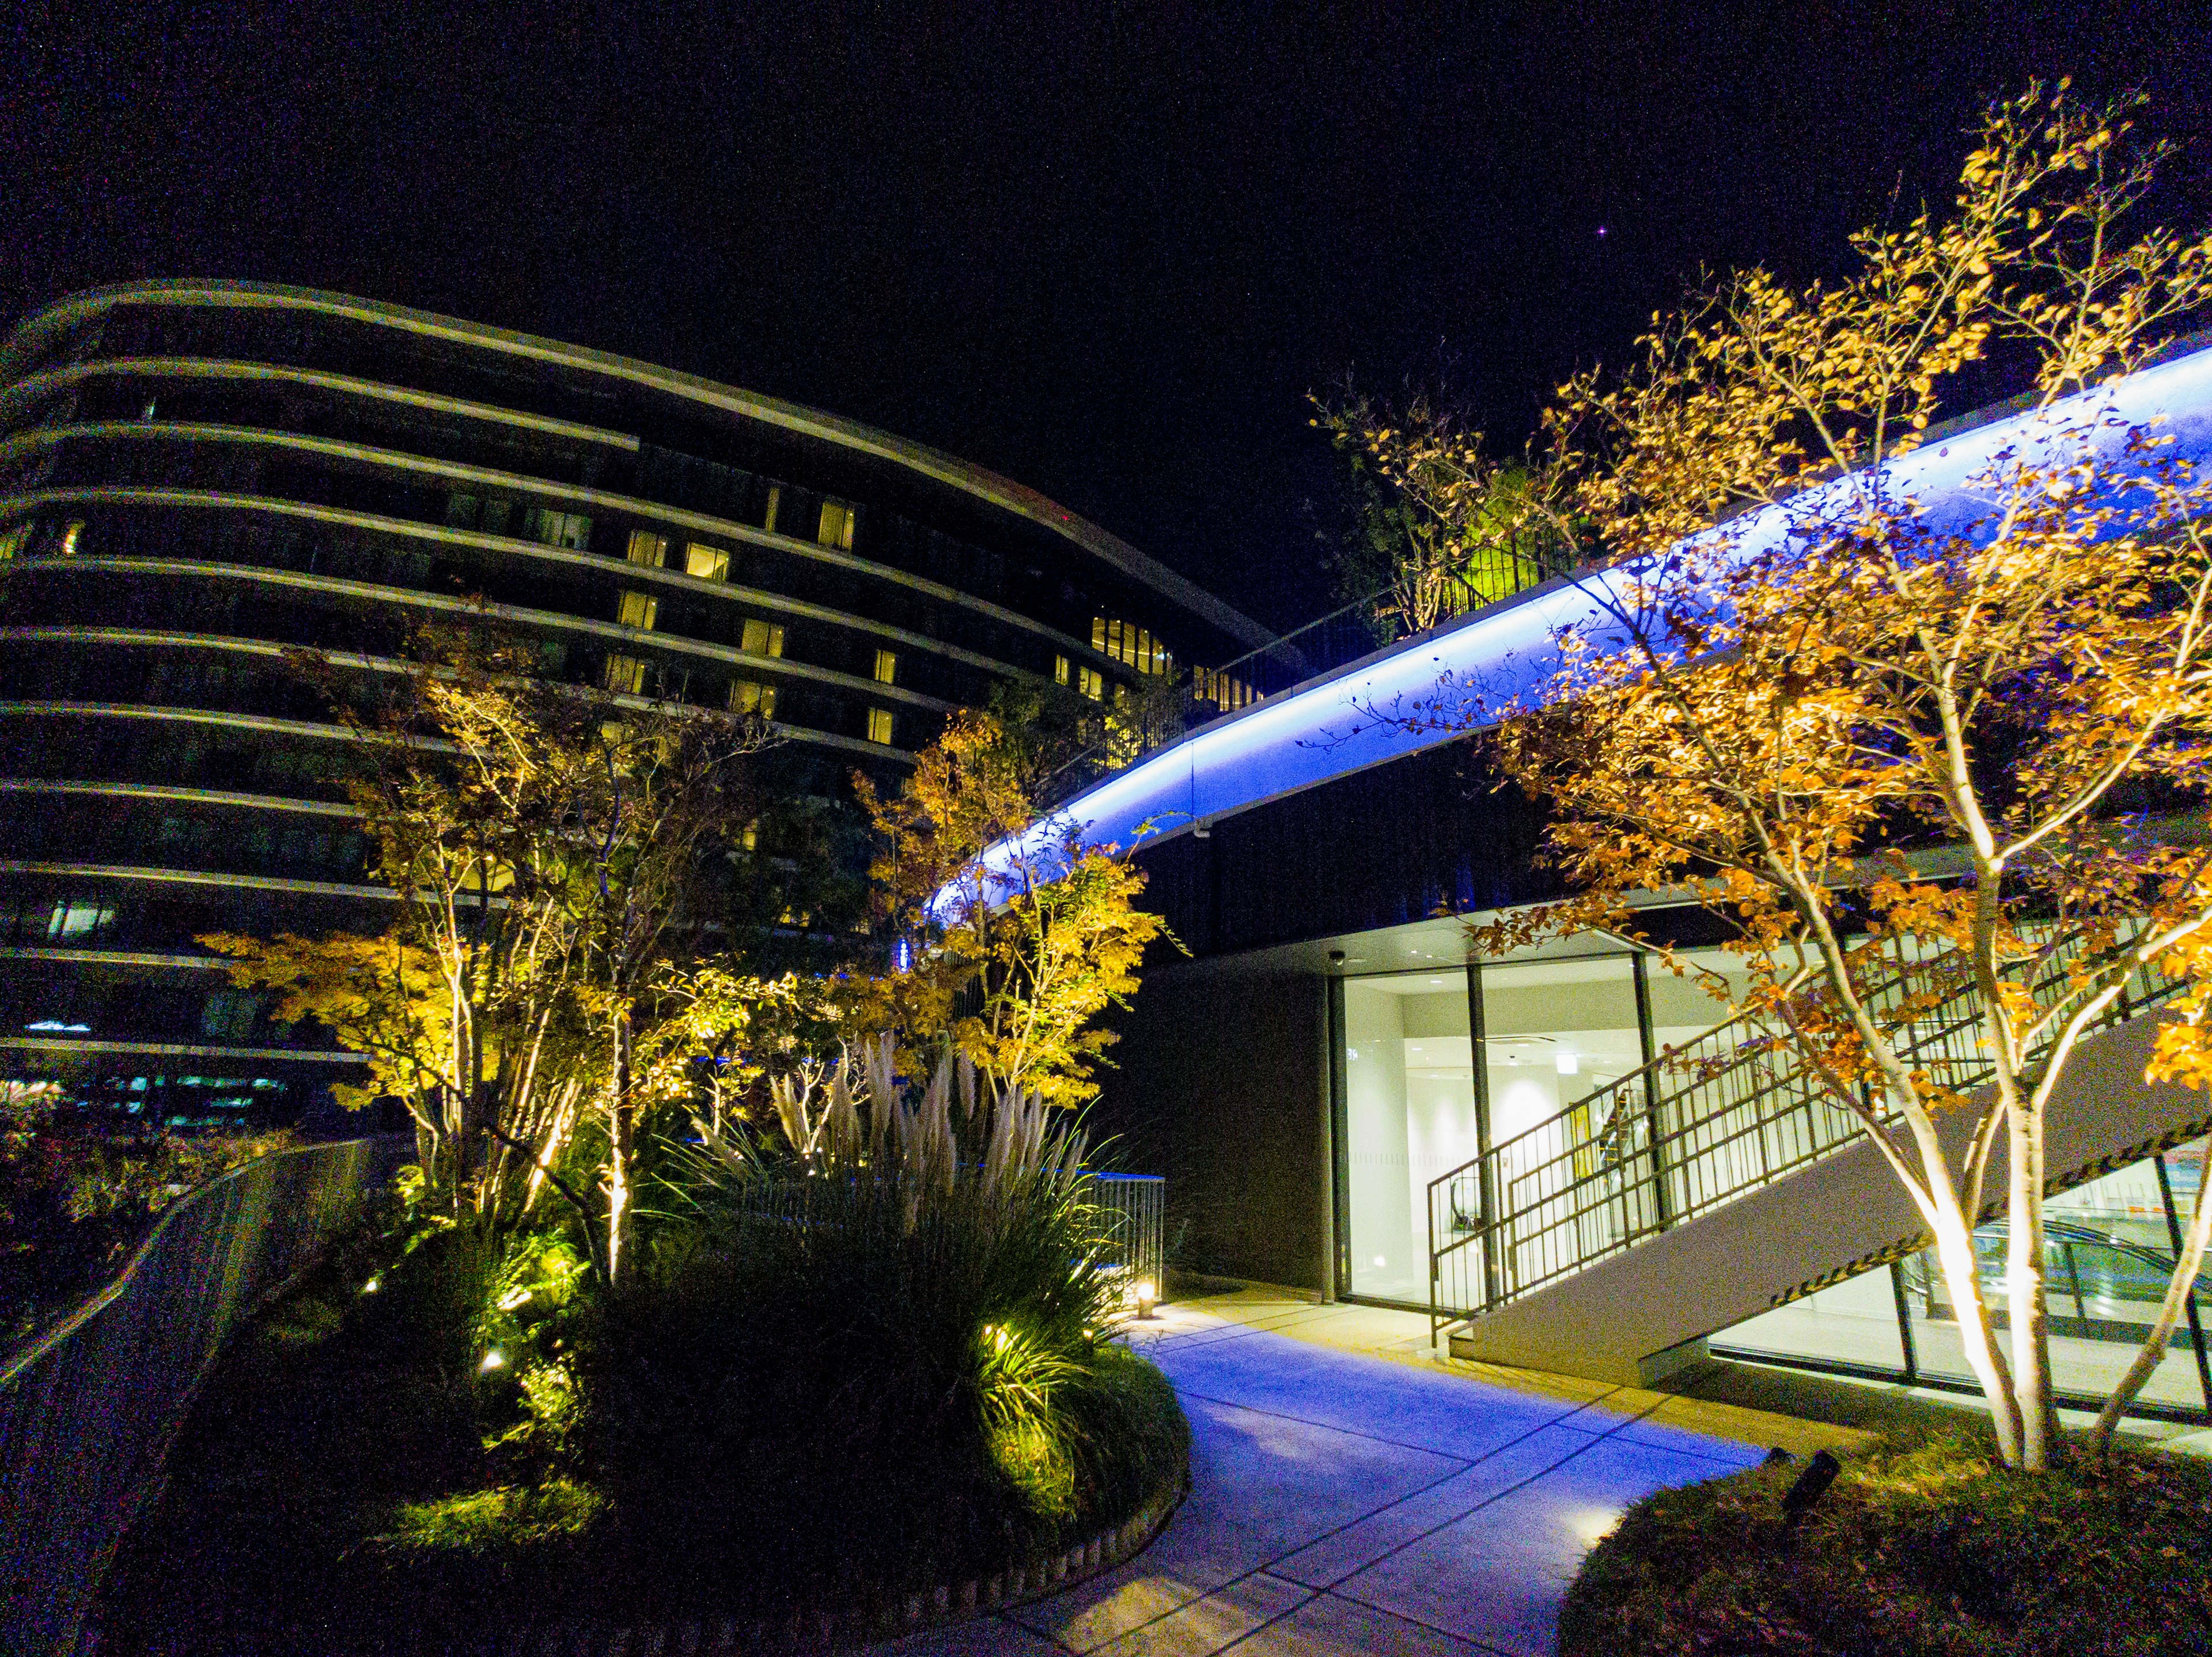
(1853, 1323)
(1409, 1118)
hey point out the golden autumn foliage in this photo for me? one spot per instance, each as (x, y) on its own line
(1013, 972)
(1907, 760)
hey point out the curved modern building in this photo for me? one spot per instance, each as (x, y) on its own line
(197, 475)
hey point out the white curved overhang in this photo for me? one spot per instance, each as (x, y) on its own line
(850, 435)
(1329, 727)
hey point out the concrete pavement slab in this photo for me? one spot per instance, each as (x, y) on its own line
(1214, 1624)
(1325, 1626)
(1428, 1408)
(1498, 1575)
(1262, 1486)
(1345, 1553)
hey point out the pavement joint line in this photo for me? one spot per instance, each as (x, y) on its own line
(1488, 1501)
(1312, 1592)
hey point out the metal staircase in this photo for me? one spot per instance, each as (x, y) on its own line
(1701, 1127)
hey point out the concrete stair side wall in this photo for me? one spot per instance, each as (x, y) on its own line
(1623, 1319)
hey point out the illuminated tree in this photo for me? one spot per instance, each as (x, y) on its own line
(1908, 759)
(1442, 528)
(1014, 968)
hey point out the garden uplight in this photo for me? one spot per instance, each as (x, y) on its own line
(371, 1286)
(492, 1360)
(1148, 1295)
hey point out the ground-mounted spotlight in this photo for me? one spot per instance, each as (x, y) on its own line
(493, 1359)
(1810, 1486)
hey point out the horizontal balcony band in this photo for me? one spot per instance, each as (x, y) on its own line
(115, 957)
(179, 1050)
(181, 796)
(833, 429)
(370, 592)
(566, 495)
(16, 397)
(619, 573)
(147, 875)
(311, 731)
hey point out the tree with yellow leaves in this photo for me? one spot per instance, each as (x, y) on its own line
(1911, 760)
(1013, 967)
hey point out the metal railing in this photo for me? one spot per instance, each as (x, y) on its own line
(88, 1409)
(1696, 1128)
(1342, 637)
(1135, 1209)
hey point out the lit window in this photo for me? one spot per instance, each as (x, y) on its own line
(879, 725)
(568, 529)
(1091, 683)
(768, 519)
(1059, 670)
(78, 918)
(837, 527)
(748, 697)
(750, 838)
(638, 609)
(707, 563)
(886, 666)
(626, 675)
(647, 548)
(1128, 642)
(762, 638)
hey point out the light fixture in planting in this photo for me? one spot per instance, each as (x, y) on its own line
(493, 1359)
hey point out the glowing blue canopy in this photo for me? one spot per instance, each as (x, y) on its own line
(1321, 730)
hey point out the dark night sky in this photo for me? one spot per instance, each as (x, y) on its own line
(1102, 250)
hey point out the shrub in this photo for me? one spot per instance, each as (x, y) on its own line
(1923, 1545)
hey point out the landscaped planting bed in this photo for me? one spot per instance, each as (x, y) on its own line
(750, 1437)
(1923, 1547)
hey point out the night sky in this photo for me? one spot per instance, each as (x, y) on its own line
(1102, 250)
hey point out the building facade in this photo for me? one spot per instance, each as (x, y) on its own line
(1567, 1155)
(196, 476)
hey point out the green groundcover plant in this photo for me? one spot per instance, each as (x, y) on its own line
(886, 1373)
(1923, 1547)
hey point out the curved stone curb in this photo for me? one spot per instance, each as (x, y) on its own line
(821, 1628)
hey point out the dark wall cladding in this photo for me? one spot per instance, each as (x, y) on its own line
(1378, 849)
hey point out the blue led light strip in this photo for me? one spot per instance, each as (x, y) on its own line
(1318, 732)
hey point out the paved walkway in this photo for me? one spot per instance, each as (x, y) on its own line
(1351, 1494)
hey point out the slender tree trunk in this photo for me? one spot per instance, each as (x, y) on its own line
(621, 1131)
(2024, 1287)
(2178, 1288)
(1955, 1258)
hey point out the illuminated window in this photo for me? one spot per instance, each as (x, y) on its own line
(748, 698)
(1091, 683)
(750, 838)
(762, 638)
(886, 666)
(837, 527)
(647, 548)
(879, 725)
(767, 521)
(639, 609)
(707, 563)
(626, 675)
(78, 918)
(568, 529)
(1129, 643)
(1223, 690)
(1059, 670)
